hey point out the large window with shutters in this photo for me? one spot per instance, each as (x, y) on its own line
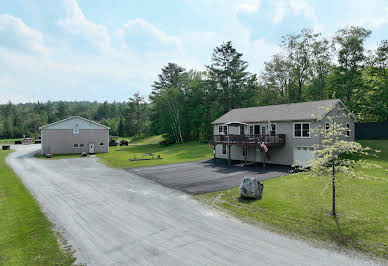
(302, 130)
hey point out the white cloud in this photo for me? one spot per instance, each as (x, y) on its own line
(373, 22)
(150, 34)
(280, 12)
(76, 24)
(16, 35)
(296, 8)
(248, 7)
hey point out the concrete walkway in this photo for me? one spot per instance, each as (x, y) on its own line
(113, 217)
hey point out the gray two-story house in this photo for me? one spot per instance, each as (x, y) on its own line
(284, 129)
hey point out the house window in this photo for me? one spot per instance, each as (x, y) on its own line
(348, 130)
(242, 130)
(220, 130)
(75, 145)
(82, 145)
(273, 129)
(306, 130)
(302, 130)
(263, 130)
(257, 129)
(226, 130)
(251, 130)
(101, 144)
(223, 148)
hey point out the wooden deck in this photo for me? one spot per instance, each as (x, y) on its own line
(273, 140)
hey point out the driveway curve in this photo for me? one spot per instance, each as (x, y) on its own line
(113, 217)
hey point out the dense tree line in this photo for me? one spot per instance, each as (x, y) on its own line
(183, 103)
(18, 120)
(307, 67)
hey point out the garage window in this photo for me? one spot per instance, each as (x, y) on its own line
(301, 130)
(75, 145)
(223, 148)
(82, 145)
(101, 144)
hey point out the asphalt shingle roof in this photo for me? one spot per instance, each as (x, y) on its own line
(281, 112)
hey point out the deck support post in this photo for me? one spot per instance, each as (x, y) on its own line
(264, 159)
(246, 153)
(214, 152)
(229, 163)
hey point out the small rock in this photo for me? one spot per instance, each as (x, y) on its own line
(84, 154)
(251, 188)
(48, 155)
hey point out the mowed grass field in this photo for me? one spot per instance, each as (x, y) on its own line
(26, 235)
(8, 141)
(118, 157)
(299, 204)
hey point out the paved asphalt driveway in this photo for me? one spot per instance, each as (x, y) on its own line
(113, 217)
(205, 176)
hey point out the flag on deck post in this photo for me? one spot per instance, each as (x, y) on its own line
(264, 147)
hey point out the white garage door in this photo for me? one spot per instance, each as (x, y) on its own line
(303, 156)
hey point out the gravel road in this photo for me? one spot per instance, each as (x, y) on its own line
(114, 217)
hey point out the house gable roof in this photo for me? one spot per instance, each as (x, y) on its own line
(282, 112)
(74, 122)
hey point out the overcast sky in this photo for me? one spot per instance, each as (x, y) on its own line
(108, 50)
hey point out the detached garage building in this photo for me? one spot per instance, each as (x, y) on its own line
(74, 135)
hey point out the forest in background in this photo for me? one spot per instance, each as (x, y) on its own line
(183, 103)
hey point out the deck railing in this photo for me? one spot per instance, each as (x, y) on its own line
(269, 140)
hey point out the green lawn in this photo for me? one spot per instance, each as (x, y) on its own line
(8, 141)
(26, 236)
(299, 204)
(119, 156)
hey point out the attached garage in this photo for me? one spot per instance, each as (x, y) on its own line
(74, 135)
(303, 155)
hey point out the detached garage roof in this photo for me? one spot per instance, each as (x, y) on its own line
(74, 122)
(281, 112)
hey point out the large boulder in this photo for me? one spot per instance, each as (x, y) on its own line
(250, 187)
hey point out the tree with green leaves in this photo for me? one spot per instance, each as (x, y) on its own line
(336, 154)
(137, 109)
(299, 53)
(120, 129)
(346, 82)
(229, 78)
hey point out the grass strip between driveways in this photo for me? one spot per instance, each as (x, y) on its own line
(119, 156)
(26, 235)
(299, 204)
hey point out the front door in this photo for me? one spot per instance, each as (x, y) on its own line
(91, 148)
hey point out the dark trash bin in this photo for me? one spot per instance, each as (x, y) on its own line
(6, 147)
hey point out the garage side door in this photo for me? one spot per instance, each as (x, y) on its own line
(303, 156)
